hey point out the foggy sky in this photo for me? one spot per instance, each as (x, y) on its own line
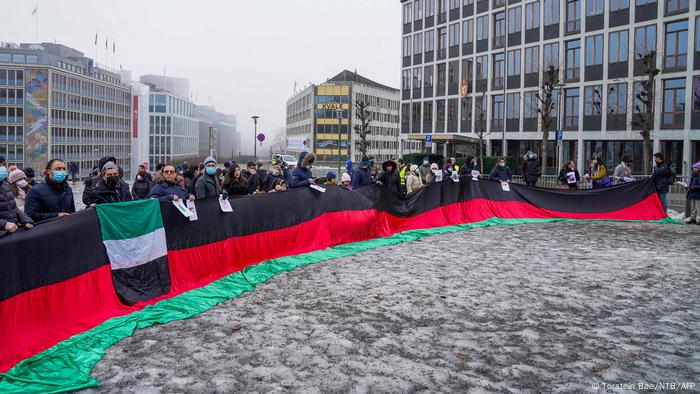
(241, 56)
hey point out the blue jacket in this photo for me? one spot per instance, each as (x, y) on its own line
(45, 200)
(165, 191)
(500, 173)
(694, 188)
(360, 177)
(300, 177)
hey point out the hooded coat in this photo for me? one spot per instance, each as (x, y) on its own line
(301, 175)
(390, 179)
(531, 168)
(8, 209)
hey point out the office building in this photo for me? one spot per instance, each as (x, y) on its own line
(217, 133)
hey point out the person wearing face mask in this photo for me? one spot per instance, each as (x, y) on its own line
(54, 197)
(279, 185)
(623, 171)
(271, 177)
(598, 174)
(142, 185)
(413, 180)
(569, 176)
(469, 166)
(19, 187)
(435, 174)
(532, 171)
(11, 217)
(235, 183)
(208, 184)
(501, 172)
(110, 188)
(250, 173)
(168, 189)
(301, 175)
(345, 180)
(361, 176)
(390, 176)
(424, 170)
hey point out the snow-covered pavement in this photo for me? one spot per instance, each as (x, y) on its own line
(532, 308)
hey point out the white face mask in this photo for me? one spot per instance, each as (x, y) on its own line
(22, 183)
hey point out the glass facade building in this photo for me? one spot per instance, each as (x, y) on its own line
(174, 129)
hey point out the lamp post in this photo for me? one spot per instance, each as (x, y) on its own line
(255, 136)
(211, 148)
(339, 115)
(560, 121)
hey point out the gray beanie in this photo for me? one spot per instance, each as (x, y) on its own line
(209, 159)
(108, 165)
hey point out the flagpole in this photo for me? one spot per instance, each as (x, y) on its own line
(36, 21)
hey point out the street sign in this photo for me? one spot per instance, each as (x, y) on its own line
(261, 137)
(560, 135)
(428, 138)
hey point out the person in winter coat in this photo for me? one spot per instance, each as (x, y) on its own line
(110, 188)
(89, 182)
(250, 173)
(331, 178)
(436, 174)
(424, 170)
(449, 168)
(402, 170)
(348, 166)
(531, 169)
(345, 181)
(279, 185)
(413, 181)
(361, 176)
(73, 170)
(208, 185)
(169, 189)
(661, 176)
(53, 198)
(301, 175)
(469, 166)
(598, 173)
(235, 184)
(623, 171)
(198, 172)
(390, 176)
(569, 175)
(11, 217)
(271, 176)
(142, 186)
(19, 187)
(501, 172)
(693, 195)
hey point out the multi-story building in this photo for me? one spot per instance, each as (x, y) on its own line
(217, 133)
(321, 116)
(465, 58)
(173, 128)
(57, 103)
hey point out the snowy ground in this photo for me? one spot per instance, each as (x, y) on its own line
(533, 308)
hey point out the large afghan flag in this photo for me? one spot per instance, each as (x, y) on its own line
(134, 237)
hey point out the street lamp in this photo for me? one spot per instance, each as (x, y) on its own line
(560, 121)
(339, 115)
(255, 136)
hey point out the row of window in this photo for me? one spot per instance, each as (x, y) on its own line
(12, 152)
(172, 145)
(89, 136)
(86, 104)
(11, 96)
(71, 118)
(173, 125)
(164, 103)
(11, 77)
(90, 89)
(11, 133)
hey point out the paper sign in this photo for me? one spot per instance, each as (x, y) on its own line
(455, 177)
(475, 175)
(571, 177)
(182, 208)
(193, 210)
(438, 176)
(628, 179)
(505, 186)
(683, 184)
(225, 204)
(317, 187)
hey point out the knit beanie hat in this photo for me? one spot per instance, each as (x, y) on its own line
(330, 175)
(15, 176)
(108, 165)
(345, 177)
(208, 160)
(696, 165)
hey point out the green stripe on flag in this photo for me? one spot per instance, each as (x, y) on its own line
(129, 219)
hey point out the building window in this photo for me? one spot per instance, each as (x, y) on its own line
(639, 106)
(571, 109)
(442, 41)
(454, 4)
(417, 78)
(696, 94)
(497, 110)
(513, 106)
(674, 104)
(482, 67)
(573, 59)
(440, 104)
(532, 60)
(617, 98)
(551, 12)
(618, 47)
(532, 15)
(514, 20)
(697, 34)
(407, 13)
(429, 40)
(676, 6)
(417, 43)
(594, 7)
(415, 118)
(499, 30)
(454, 35)
(441, 78)
(573, 16)
(468, 31)
(452, 111)
(498, 70)
(530, 105)
(514, 63)
(453, 72)
(550, 56)
(429, 8)
(417, 10)
(618, 5)
(482, 29)
(428, 112)
(645, 2)
(592, 100)
(594, 50)
(645, 40)
(406, 46)
(466, 109)
(676, 44)
(467, 69)
(406, 80)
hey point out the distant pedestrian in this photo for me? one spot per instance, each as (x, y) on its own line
(693, 195)
(662, 174)
(142, 185)
(500, 171)
(361, 176)
(569, 176)
(531, 169)
(73, 171)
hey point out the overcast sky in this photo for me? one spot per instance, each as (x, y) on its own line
(241, 56)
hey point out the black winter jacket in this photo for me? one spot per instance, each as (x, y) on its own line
(661, 175)
(141, 189)
(531, 170)
(46, 200)
(8, 209)
(102, 193)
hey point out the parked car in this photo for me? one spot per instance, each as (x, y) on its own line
(287, 159)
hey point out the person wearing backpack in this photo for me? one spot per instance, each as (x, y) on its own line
(663, 176)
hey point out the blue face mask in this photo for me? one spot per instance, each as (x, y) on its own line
(211, 170)
(58, 176)
(3, 174)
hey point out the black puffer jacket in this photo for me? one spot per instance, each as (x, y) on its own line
(102, 193)
(390, 179)
(46, 200)
(8, 209)
(141, 188)
(531, 169)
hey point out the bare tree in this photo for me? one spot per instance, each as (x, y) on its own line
(545, 106)
(643, 116)
(365, 117)
(480, 129)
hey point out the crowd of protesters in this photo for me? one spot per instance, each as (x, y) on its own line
(24, 202)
